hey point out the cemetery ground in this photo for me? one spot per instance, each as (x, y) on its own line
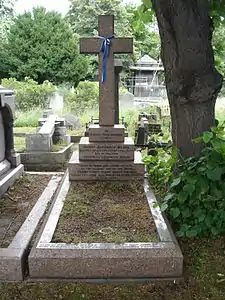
(95, 214)
(17, 203)
(204, 276)
(204, 279)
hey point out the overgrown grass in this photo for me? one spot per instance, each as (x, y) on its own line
(25, 129)
(28, 118)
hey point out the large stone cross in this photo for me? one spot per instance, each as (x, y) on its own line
(107, 88)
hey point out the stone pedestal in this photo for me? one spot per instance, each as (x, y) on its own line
(106, 155)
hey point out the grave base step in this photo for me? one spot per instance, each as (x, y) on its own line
(106, 170)
(106, 151)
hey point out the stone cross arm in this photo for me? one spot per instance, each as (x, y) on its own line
(118, 45)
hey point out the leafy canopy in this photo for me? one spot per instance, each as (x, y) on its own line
(83, 15)
(41, 46)
(144, 14)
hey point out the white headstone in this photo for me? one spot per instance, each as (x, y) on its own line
(2, 139)
(126, 100)
(56, 102)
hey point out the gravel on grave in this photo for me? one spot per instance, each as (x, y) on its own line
(17, 203)
(105, 212)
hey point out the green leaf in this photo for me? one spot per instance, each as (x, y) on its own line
(147, 3)
(214, 231)
(198, 140)
(186, 213)
(191, 233)
(175, 182)
(207, 136)
(215, 174)
(175, 212)
(189, 188)
(182, 197)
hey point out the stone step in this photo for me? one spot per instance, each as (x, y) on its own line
(8, 178)
(4, 167)
(106, 151)
(106, 170)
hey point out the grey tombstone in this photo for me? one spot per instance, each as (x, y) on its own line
(56, 102)
(10, 166)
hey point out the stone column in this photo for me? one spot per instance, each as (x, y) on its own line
(117, 68)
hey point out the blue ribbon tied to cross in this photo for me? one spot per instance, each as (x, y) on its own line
(106, 42)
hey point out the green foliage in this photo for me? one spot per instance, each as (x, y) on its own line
(83, 15)
(160, 168)
(144, 14)
(30, 94)
(6, 8)
(41, 45)
(218, 47)
(195, 197)
(84, 97)
(28, 119)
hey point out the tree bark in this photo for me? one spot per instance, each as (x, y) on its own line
(192, 80)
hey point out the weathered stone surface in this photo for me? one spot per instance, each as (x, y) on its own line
(106, 170)
(106, 151)
(8, 178)
(46, 160)
(106, 134)
(4, 167)
(36, 142)
(134, 262)
(107, 106)
(2, 139)
(42, 141)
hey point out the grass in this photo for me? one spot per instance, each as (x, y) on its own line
(25, 129)
(28, 118)
(20, 144)
(204, 280)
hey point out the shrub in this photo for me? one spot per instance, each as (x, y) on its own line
(84, 97)
(195, 194)
(30, 94)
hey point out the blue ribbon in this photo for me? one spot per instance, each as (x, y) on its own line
(105, 50)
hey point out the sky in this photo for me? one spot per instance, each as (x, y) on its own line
(61, 6)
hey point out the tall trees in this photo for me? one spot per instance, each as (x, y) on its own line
(83, 15)
(192, 79)
(41, 46)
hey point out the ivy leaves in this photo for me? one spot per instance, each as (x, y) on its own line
(195, 197)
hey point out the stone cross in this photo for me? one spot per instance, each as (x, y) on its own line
(106, 89)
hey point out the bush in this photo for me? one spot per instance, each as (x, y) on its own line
(84, 97)
(29, 94)
(194, 199)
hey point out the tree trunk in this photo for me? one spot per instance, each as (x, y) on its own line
(192, 81)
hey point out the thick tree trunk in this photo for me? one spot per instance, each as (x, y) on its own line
(192, 81)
